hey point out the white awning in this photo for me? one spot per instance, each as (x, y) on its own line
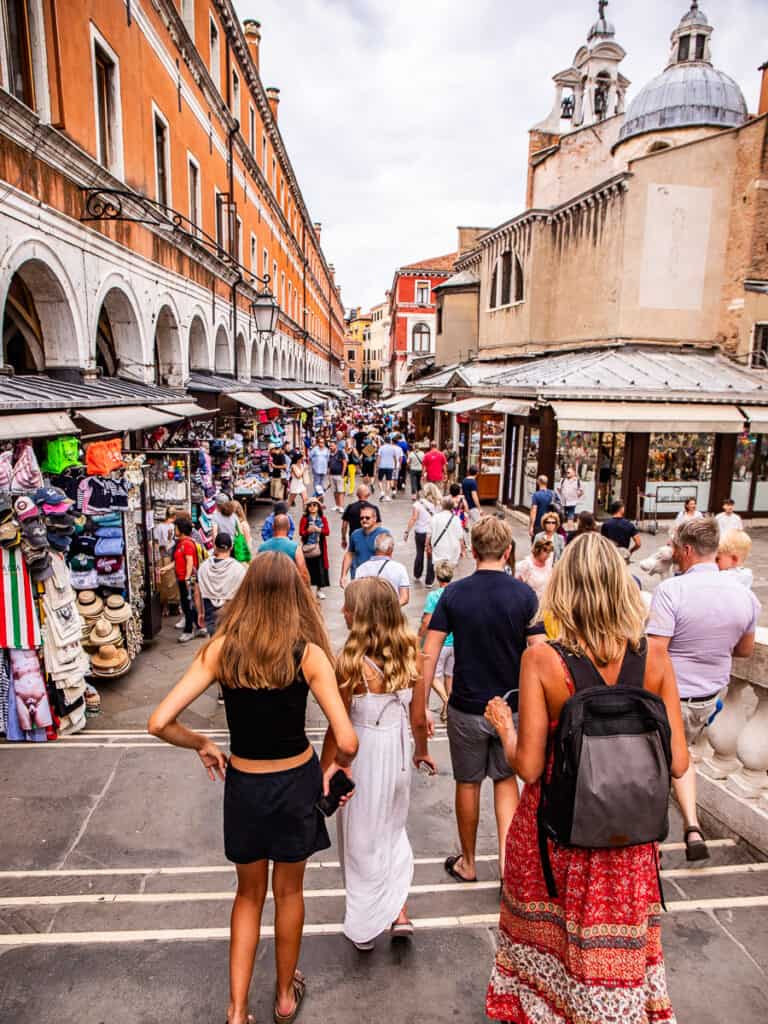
(647, 417)
(35, 424)
(392, 400)
(296, 398)
(511, 408)
(255, 400)
(464, 405)
(406, 401)
(313, 397)
(121, 418)
(188, 410)
(758, 418)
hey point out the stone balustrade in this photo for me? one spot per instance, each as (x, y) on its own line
(732, 757)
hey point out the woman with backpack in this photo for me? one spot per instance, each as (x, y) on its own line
(580, 935)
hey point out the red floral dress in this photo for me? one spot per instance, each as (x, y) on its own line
(591, 956)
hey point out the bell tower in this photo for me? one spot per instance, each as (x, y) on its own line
(592, 89)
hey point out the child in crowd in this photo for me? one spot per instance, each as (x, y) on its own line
(732, 553)
(443, 680)
(728, 520)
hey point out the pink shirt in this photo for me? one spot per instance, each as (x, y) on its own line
(434, 465)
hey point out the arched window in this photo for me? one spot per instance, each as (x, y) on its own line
(492, 303)
(658, 146)
(420, 338)
(519, 282)
(506, 279)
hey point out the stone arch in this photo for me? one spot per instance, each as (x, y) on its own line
(167, 361)
(267, 360)
(42, 325)
(197, 344)
(257, 359)
(283, 364)
(222, 359)
(118, 332)
(242, 359)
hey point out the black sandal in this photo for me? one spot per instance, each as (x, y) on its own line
(450, 867)
(695, 849)
(299, 986)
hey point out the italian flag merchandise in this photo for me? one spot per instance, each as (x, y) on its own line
(19, 627)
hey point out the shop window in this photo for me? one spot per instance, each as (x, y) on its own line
(214, 65)
(420, 338)
(106, 86)
(743, 469)
(531, 443)
(580, 449)
(423, 290)
(162, 160)
(760, 347)
(679, 466)
(193, 174)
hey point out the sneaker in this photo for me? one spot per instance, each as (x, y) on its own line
(179, 624)
(321, 595)
(364, 947)
(185, 638)
(201, 632)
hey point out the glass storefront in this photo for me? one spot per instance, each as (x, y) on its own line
(531, 443)
(747, 448)
(679, 467)
(598, 459)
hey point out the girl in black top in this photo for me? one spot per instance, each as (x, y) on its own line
(269, 651)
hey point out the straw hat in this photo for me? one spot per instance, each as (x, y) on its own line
(89, 604)
(116, 609)
(110, 660)
(104, 632)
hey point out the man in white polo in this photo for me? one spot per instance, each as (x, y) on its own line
(382, 564)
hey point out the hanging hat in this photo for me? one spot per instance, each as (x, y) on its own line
(41, 571)
(6, 507)
(116, 609)
(35, 534)
(110, 660)
(51, 496)
(104, 632)
(9, 534)
(89, 604)
(25, 508)
(59, 541)
(61, 522)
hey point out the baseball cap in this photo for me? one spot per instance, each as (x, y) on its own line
(223, 542)
(51, 496)
(25, 508)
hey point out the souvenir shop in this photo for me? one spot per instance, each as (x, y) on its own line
(72, 587)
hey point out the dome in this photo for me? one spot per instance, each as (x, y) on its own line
(683, 96)
(694, 17)
(603, 29)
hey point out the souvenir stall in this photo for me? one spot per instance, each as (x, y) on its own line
(481, 443)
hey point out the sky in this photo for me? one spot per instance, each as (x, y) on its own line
(406, 118)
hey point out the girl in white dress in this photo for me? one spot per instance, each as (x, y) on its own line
(379, 675)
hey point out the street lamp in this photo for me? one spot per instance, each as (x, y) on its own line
(264, 310)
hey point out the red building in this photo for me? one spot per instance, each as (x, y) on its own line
(413, 315)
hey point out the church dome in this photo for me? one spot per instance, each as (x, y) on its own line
(685, 95)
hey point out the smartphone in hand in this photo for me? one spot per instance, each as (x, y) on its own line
(340, 785)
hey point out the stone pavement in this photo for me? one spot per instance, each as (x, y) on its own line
(113, 875)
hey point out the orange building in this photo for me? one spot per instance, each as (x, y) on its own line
(146, 197)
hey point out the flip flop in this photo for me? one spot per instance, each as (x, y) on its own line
(401, 930)
(450, 867)
(299, 986)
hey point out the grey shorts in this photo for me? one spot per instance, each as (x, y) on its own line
(445, 661)
(476, 750)
(696, 716)
(337, 484)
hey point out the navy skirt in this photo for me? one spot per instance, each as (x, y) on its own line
(273, 816)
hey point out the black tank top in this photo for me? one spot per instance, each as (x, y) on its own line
(267, 725)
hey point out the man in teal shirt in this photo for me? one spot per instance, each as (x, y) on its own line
(282, 543)
(362, 543)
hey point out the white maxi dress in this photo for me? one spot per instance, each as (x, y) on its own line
(375, 854)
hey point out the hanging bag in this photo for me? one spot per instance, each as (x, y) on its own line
(240, 550)
(611, 768)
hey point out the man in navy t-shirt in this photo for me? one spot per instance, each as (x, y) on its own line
(471, 495)
(491, 616)
(620, 530)
(541, 501)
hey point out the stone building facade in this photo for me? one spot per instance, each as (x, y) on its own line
(147, 196)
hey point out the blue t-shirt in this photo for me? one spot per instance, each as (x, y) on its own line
(429, 606)
(541, 500)
(268, 529)
(288, 547)
(491, 616)
(319, 459)
(361, 546)
(469, 488)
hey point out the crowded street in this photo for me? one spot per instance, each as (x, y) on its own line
(123, 903)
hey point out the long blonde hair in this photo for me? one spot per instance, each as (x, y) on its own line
(591, 603)
(266, 625)
(380, 632)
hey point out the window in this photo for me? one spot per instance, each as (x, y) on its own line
(274, 278)
(239, 240)
(188, 16)
(193, 175)
(21, 82)
(235, 97)
(214, 59)
(254, 254)
(760, 346)
(274, 173)
(162, 160)
(352, 376)
(104, 71)
(506, 279)
(422, 293)
(440, 318)
(519, 283)
(684, 48)
(252, 130)
(222, 221)
(700, 44)
(265, 263)
(282, 290)
(494, 282)
(420, 338)
(351, 355)
(264, 154)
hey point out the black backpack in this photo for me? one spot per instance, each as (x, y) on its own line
(611, 769)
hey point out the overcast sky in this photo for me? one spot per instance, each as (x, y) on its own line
(405, 118)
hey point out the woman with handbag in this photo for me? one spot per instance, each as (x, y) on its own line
(313, 530)
(244, 529)
(297, 486)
